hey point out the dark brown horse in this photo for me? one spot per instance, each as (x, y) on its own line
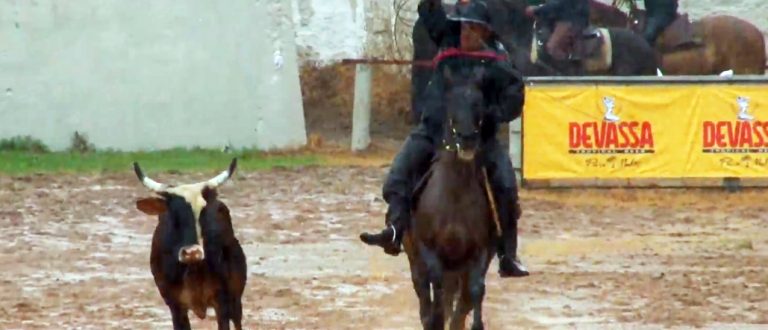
(710, 45)
(452, 237)
(610, 52)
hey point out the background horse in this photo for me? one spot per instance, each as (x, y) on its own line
(612, 52)
(719, 43)
(452, 237)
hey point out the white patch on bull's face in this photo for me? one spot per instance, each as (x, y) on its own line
(193, 194)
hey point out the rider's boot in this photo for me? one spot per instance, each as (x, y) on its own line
(504, 187)
(509, 264)
(390, 238)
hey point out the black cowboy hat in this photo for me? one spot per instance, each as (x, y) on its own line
(472, 11)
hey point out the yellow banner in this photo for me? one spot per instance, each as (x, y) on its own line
(645, 131)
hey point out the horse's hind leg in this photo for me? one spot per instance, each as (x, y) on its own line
(477, 289)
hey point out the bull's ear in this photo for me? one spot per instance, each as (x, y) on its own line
(151, 205)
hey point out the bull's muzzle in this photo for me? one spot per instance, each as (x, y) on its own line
(191, 254)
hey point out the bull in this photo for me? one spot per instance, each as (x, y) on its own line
(196, 260)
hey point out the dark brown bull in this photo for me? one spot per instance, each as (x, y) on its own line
(453, 235)
(196, 261)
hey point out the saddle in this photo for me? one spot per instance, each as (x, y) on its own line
(679, 34)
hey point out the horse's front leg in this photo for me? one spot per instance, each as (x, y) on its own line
(477, 288)
(420, 280)
(435, 276)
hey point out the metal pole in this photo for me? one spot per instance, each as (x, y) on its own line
(361, 112)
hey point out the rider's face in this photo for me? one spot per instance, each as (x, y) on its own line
(473, 36)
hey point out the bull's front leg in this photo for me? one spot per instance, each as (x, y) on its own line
(179, 317)
(223, 309)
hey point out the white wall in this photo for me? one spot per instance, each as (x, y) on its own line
(146, 74)
(331, 30)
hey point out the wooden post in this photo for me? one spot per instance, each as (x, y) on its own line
(361, 112)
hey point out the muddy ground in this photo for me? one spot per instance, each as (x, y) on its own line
(74, 255)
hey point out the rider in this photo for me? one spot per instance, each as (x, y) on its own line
(568, 20)
(504, 92)
(659, 15)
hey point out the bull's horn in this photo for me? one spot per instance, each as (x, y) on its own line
(224, 176)
(149, 183)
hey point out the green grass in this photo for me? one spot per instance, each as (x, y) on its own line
(181, 160)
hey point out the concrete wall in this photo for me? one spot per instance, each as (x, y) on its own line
(147, 74)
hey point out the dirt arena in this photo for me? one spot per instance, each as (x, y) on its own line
(75, 251)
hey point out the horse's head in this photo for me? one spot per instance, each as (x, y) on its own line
(465, 106)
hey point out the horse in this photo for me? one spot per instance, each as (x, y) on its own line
(605, 51)
(710, 45)
(452, 238)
